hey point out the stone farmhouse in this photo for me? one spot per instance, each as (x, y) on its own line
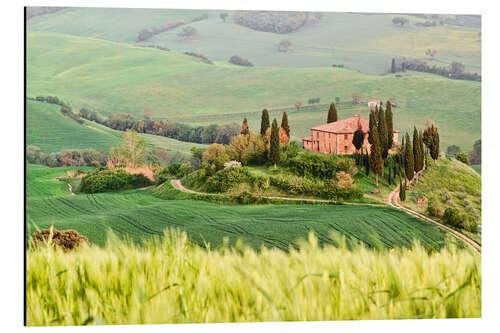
(336, 138)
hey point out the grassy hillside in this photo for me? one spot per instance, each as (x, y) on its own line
(48, 129)
(368, 47)
(138, 214)
(459, 186)
(168, 281)
(112, 77)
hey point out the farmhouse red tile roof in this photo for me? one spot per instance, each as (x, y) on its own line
(349, 125)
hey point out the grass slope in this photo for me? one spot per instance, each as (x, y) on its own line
(365, 42)
(173, 281)
(459, 185)
(138, 214)
(48, 129)
(112, 77)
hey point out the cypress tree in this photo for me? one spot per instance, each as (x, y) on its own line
(402, 190)
(376, 161)
(244, 127)
(284, 124)
(366, 161)
(435, 143)
(358, 139)
(274, 151)
(264, 123)
(416, 150)
(393, 66)
(409, 159)
(382, 131)
(332, 114)
(373, 123)
(389, 124)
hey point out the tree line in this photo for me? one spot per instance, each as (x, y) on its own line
(455, 70)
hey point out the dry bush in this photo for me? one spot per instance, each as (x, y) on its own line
(64, 239)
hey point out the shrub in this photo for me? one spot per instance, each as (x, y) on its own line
(237, 60)
(462, 157)
(246, 198)
(64, 239)
(310, 164)
(225, 179)
(112, 180)
(275, 22)
(454, 217)
(435, 208)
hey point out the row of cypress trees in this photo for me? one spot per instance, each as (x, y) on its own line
(274, 149)
(414, 154)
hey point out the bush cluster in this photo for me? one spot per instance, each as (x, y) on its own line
(112, 180)
(146, 34)
(323, 166)
(454, 71)
(176, 170)
(240, 61)
(200, 56)
(276, 22)
(226, 179)
(82, 157)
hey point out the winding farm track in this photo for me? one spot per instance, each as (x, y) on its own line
(176, 183)
(392, 200)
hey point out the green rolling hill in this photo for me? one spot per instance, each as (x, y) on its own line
(137, 214)
(48, 129)
(332, 40)
(116, 77)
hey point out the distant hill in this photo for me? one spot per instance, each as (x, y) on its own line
(358, 41)
(49, 130)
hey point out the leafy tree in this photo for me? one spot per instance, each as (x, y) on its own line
(274, 150)
(475, 155)
(393, 66)
(390, 124)
(453, 150)
(131, 152)
(284, 45)
(332, 114)
(284, 124)
(462, 157)
(399, 20)
(409, 160)
(244, 127)
(187, 32)
(223, 16)
(196, 157)
(457, 68)
(337, 100)
(358, 139)
(382, 131)
(264, 123)
(376, 161)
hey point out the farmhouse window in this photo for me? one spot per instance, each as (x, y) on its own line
(345, 136)
(345, 148)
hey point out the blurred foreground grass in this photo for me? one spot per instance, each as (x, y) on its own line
(174, 281)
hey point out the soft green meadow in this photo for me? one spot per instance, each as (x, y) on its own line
(115, 77)
(173, 281)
